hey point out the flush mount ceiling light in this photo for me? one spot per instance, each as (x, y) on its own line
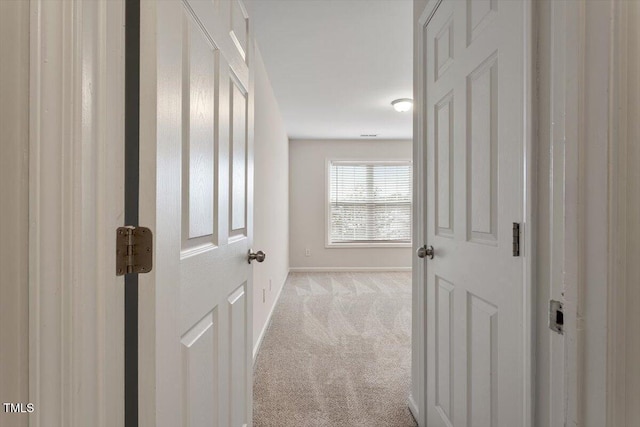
(403, 104)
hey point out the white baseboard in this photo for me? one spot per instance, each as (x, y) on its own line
(414, 409)
(256, 348)
(340, 269)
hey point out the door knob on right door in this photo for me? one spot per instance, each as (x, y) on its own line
(426, 252)
(258, 256)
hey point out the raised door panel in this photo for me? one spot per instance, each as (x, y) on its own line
(444, 352)
(482, 152)
(443, 146)
(238, 157)
(200, 372)
(238, 26)
(443, 48)
(482, 362)
(480, 13)
(199, 153)
(237, 309)
(227, 23)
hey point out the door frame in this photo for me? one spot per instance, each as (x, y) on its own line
(76, 178)
(596, 256)
(14, 176)
(417, 399)
(588, 89)
(624, 194)
(590, 111)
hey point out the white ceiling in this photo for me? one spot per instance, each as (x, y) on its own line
(336, 65)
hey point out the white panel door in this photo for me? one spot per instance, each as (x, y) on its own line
(477, 366)
(196, 196)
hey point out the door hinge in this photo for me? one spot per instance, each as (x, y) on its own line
(516, 239)
(556, 316)
(134, 250)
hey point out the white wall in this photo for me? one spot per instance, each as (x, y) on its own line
(14, 209)
(307, 208)
(271, 200)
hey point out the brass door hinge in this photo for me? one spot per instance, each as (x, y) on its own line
(516, 239)
(134, 250)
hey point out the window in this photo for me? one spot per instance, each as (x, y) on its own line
(369, 203)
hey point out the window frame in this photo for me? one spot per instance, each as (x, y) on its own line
(369, 244)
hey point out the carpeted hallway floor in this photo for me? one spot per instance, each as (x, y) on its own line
(337, 353)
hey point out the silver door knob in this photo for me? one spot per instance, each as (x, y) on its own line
(426, 252)
(258, 256)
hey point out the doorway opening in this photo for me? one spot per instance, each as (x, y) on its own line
(332, 307)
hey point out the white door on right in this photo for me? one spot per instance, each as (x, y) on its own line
(477, 330)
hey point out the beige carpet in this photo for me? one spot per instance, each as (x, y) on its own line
(337, 353)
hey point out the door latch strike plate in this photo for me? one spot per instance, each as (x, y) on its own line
(556, 316)
(134, 250)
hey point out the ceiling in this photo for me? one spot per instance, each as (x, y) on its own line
(336, 65)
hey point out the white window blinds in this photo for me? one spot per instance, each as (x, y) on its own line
(369, 202)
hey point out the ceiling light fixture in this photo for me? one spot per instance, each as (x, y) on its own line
(402, 105)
